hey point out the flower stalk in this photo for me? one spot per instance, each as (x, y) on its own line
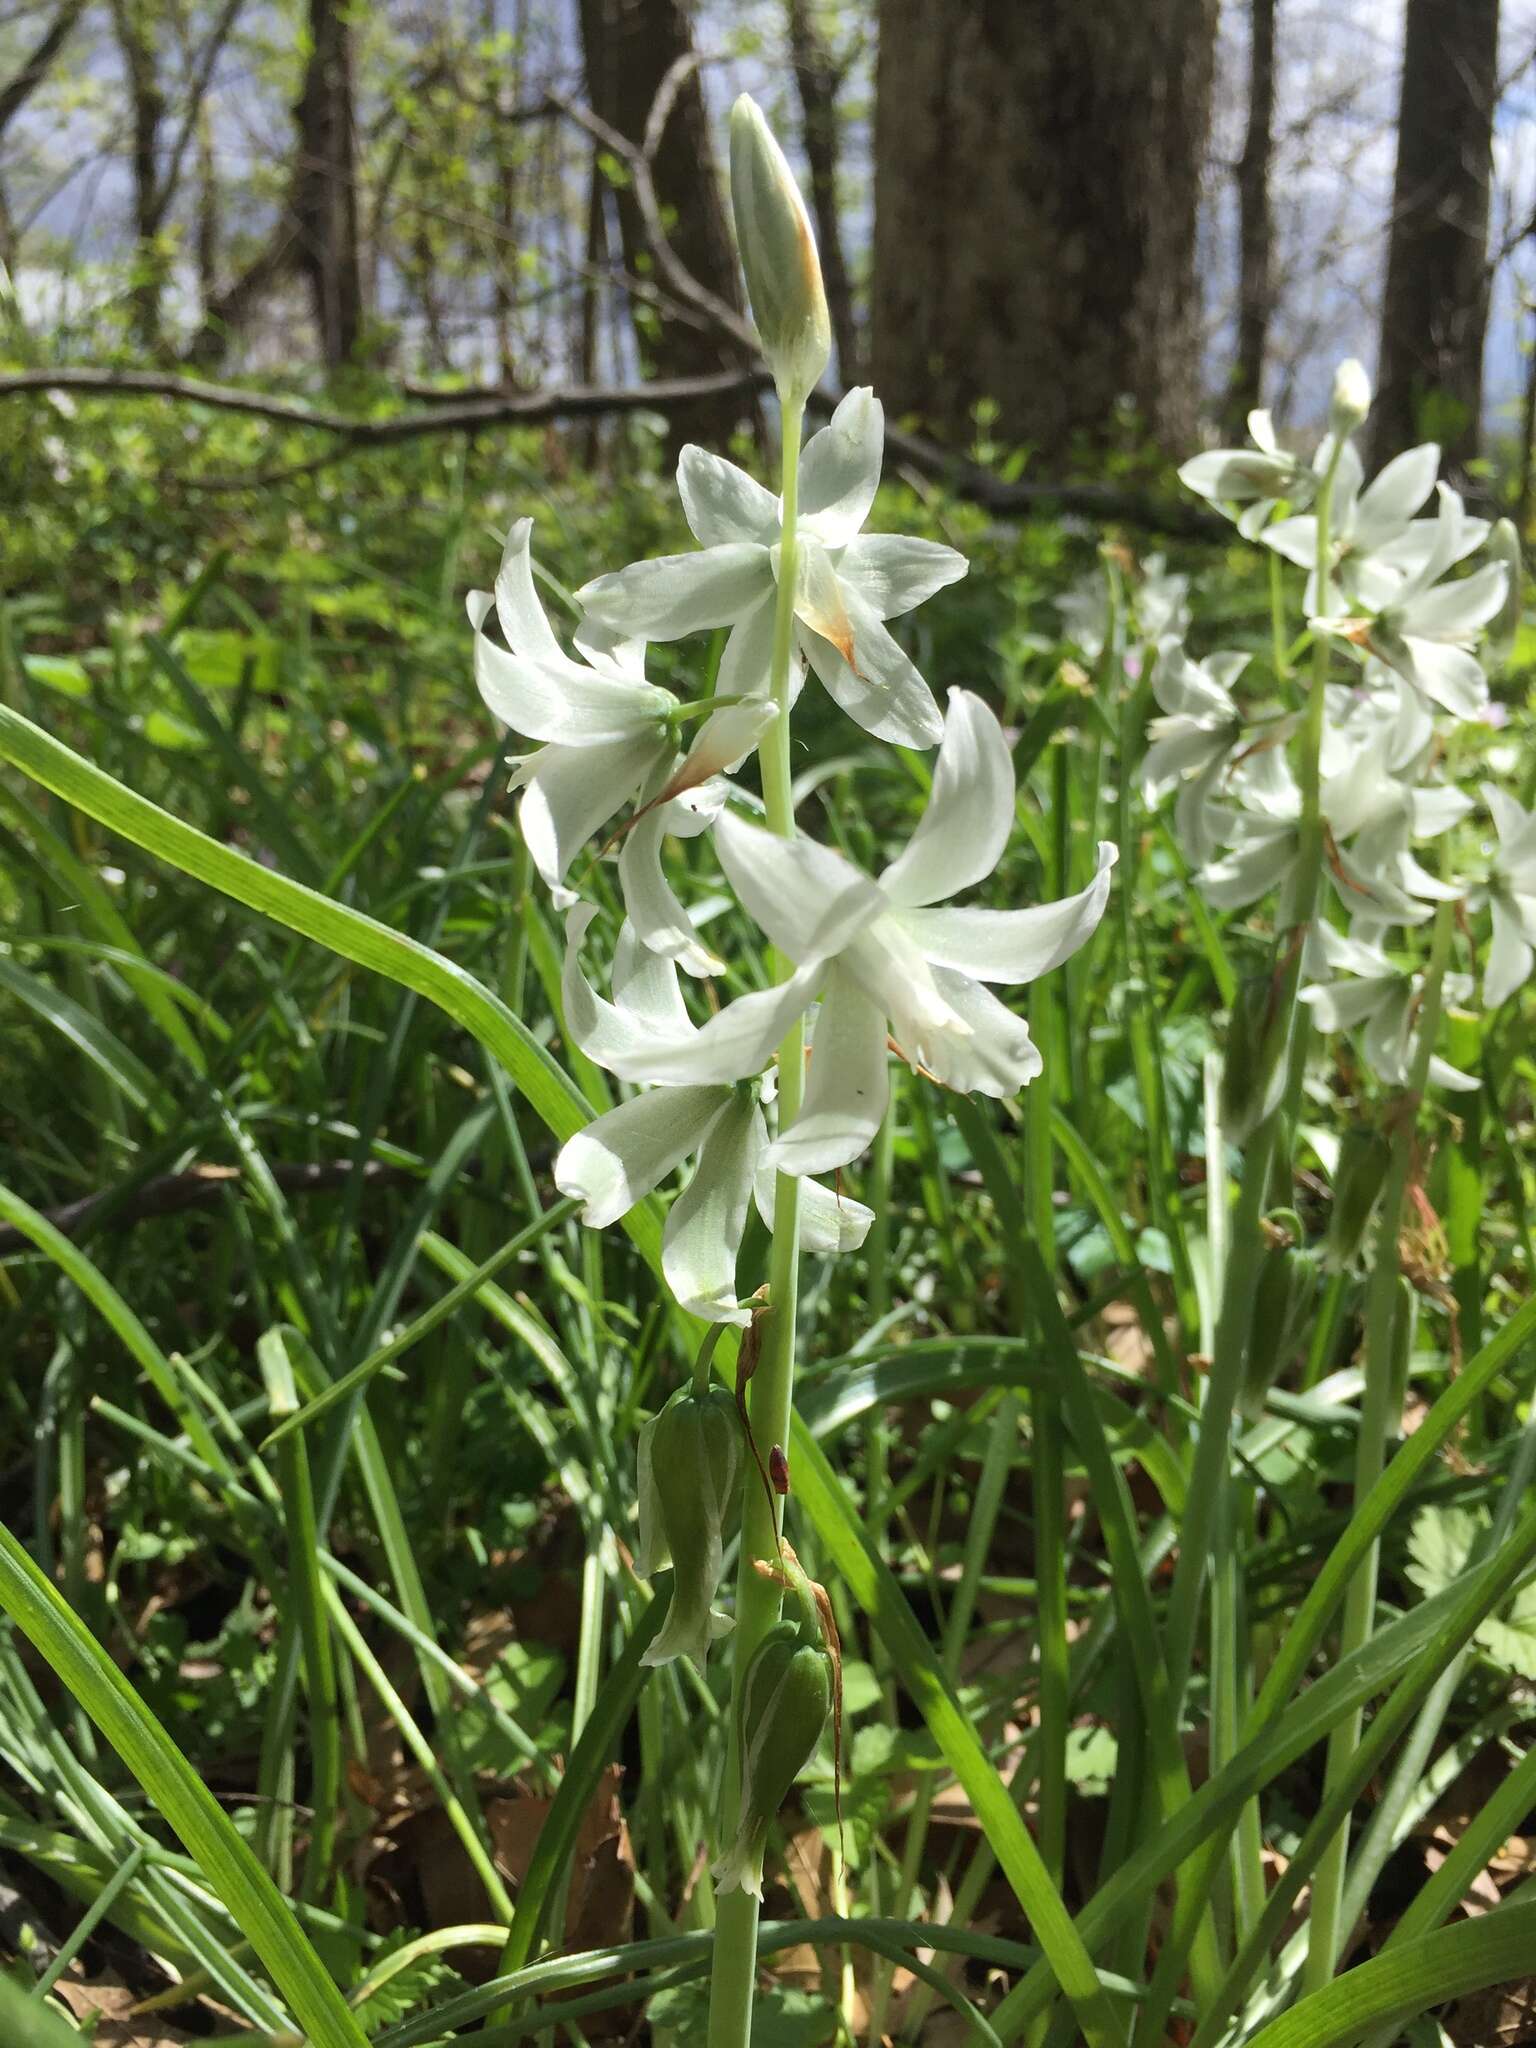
(759, 1598)
(1325, 1931)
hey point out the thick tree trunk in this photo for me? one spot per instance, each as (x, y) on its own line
(1037, 185)
(819, 80)
(1434, 312)
(630, 47)
(1255, 284)
(325, 184)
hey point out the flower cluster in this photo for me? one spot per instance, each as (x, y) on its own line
(1413, 590)
(868, 965)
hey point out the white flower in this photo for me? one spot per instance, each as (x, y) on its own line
(619, 1158)
(847, 584)
(611, 736)
(1193, 743)
(887, 959)
(1256, 478)
(1427, 630)
(1385, 999)
(1376, 541)
(1511, 898)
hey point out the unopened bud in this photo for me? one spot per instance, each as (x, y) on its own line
(778, 1470)
(786, 1696)
(690, 1461)
(1504, 546)
(1282, 1301)
(1351, 398)
(1253, 1068)
(778, 254)
(1364, 1160)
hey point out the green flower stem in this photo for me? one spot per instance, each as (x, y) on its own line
(758, 1599)
(1211, 1470)
(1325, 1930)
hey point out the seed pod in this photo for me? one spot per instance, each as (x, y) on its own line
(1282, 1302)
(690, 1461)
(778, 255)
(1364, 1160)
(786, 1696)
(1253, 1070)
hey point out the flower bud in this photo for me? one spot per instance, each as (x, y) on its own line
(778, 254)
(1351, 398)
(1504, 546)
(1253, 1069)
(786, 1696)
(1282, 1301)
(690, 1463)
(1364, 1160)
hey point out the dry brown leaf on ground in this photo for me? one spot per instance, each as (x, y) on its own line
(111, 2006)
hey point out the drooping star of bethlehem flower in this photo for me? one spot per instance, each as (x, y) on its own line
(708, 1107)
(1511, 897)
(1193, 743)
(847, 583)
(1258, 478)
(1427, 628)
(1372, 991)
(610, 737)
(889, 962)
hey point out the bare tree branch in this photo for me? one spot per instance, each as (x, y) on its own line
(472, 411)
(18, 90)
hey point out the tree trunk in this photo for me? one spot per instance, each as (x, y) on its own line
(819, 79)
(1255, 285)
(1434, 312)
(630, 46)
(1037, 186)
(141, 67)
(325, 184)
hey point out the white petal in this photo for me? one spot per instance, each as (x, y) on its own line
(1341, 1005)
(659, 920)
(1449, 676)
(1295, 539)
(961, 834)
(672, 595)
(1261, 862)
(745, 665)
(518, 607)
(1454, 611)
(846, 1086)
(1179, 745)
(1386, 506)
(570, 792)
(883, 691)
(1510, 957)
(894, 575)
(1014, 945)
(806, 897)
(722, 503)
(725, 739)
(619, 1158)
(830, 1222)
(1198, 816)
(605, 648)
(996, 1055)
(840, 468)
(568, 702)
(735, 1045)
(704, 1225)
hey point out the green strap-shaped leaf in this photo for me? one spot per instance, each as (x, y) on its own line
(556, 1100)
(255, 1904)
(1496, 1949)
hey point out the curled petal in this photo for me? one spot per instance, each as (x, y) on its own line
(563, 702)
(572, 791)
(846, 1087)
(705, 1224)
(830, 1222)
(961, 835)
(619, 1158)
(1014, 945)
